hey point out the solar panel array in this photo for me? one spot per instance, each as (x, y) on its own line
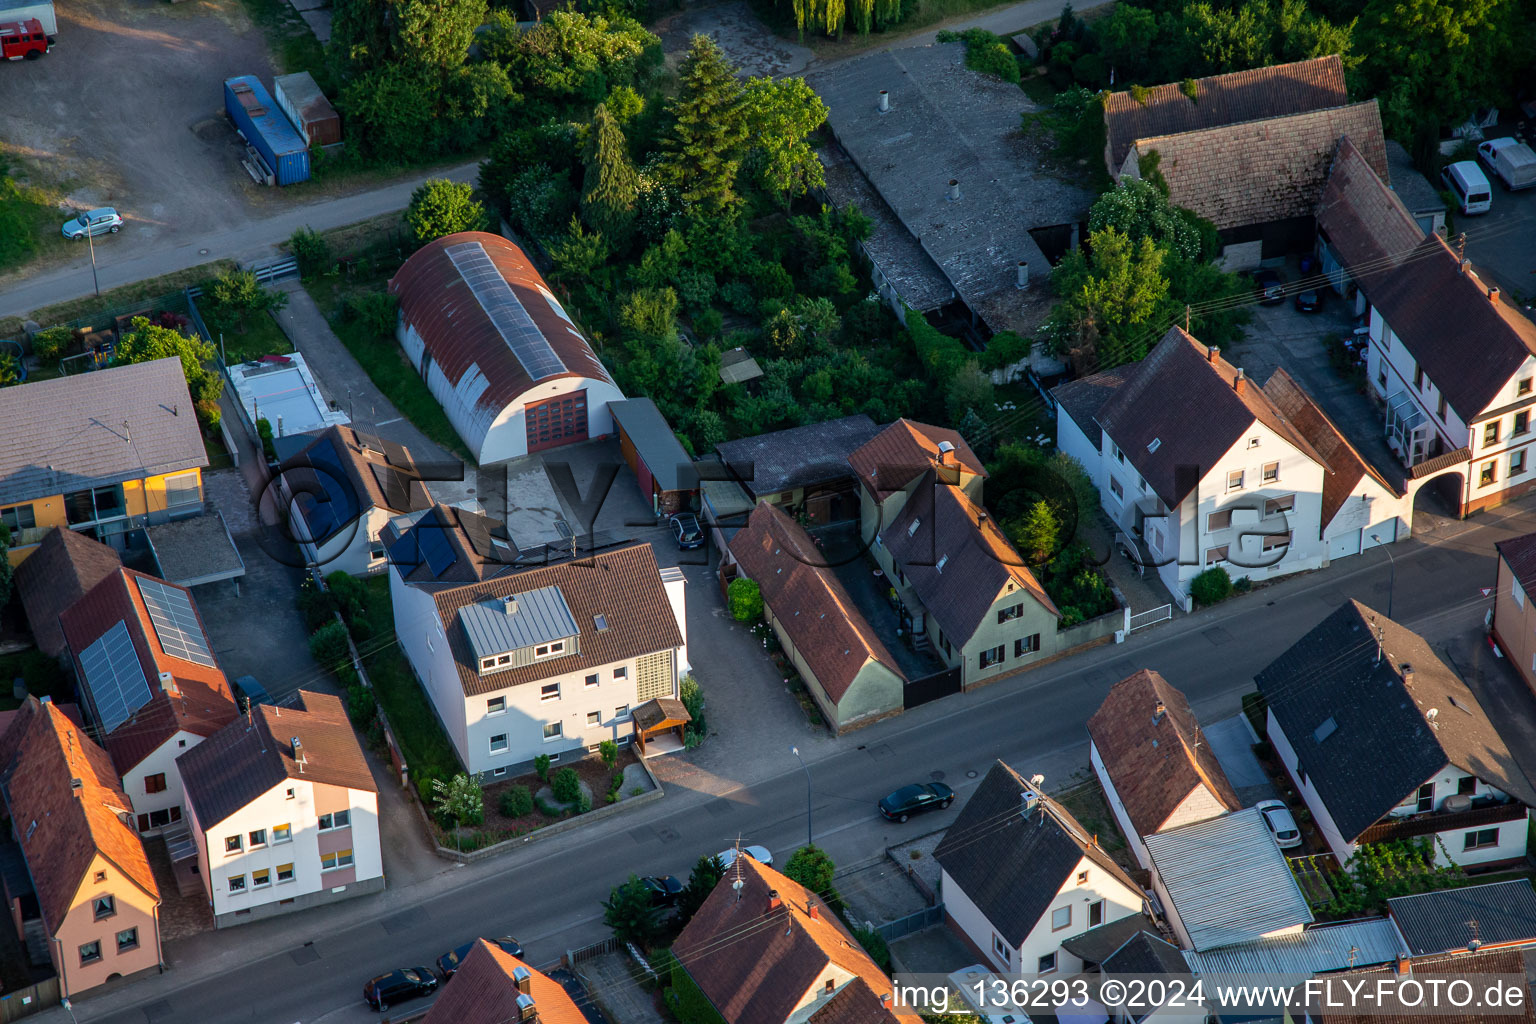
(114, 677)
(181, 636)
(501, 304)
(433, 542)
(394, 484)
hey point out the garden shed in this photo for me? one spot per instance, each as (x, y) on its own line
(659, 461)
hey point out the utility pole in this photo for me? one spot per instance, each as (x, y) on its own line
(809, 840)
(90, 240)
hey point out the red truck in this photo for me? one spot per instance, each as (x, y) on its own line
(24, 40)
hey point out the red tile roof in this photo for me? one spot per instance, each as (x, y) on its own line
(202, 702)
(61, 829)
(624, 586)
(64, 567)
(484, 992)
(462, 338)
(1262, 171)
(1520, 553)
(1361, 218)
(1155, 761)
(904, 451)
(807, 599)
(1520, 963)
(755, 962)
(1222, 100)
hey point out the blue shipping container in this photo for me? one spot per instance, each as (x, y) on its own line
(266, 128)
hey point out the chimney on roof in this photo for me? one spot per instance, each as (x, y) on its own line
(1021, 281)
(527, 1009)
(1466, 266)
(812, 911)
(522, 979)
(1404, 964)
(75, 784)
(1407, 671)
(1211, 352)
(1028, 801)
(509, 604)
(945, 448)
(1240, 382)
(45, 699)
(773, 900)
(1493, 293)
(168, 684)
(1158, 712)
(954, 190)
(298, 753)
(885, 101)
(885, 1000)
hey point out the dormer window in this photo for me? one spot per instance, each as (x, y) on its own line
(549, 650)
(912, 529)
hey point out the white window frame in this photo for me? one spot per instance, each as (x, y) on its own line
(496, 706)
(558, 734)
(549, 650)
(506, 743)
(1056, 913)
(1517, 592)
(594, 718)
(546, 695)
(1234, 480)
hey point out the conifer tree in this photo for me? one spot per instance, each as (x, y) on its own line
(611, 188)
(703, 147)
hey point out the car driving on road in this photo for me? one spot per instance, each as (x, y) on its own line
(910, 800)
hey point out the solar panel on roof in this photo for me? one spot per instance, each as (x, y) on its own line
(114, 677)
(395, 453)
(396, 488)
(176, 625)
(501, 304)
(405, 552)
(432, 539)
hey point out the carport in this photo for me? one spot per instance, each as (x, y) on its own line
(195, 551)
(660, 724)
(659, 461)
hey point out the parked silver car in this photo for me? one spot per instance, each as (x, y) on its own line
(1278, 817)
(101, 221)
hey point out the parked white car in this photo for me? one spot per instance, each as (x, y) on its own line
(1278, 817)
(757, 853)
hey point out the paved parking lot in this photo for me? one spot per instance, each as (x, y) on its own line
(1502, 242)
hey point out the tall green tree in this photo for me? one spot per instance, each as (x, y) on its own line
(611, 187)
(812, 868)
(433, 34)
(781, 115)
(702, 149)
(145, 341)
(706, 874)
(441, 207)
(629, 912)
(1115, 302)
(359, 36)
(1039, 534)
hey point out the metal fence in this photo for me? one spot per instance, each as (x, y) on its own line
(900, 928)
(576, 956)
(1150, 617)
(271, 270)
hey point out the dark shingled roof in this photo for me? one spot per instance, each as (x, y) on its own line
(1363, 220)
(1520, 554)
(1380, 747)
(1082, 399)
(1146, 953)
(1012, 866)
(1493, 915)
(1139, 414)
(1222, 100)
(657, 444)
(1095, 945)
(243, 760)
(64, 567)
(1155, 762)
(904, 451)
(809, 602)
(957, 559)
(800, 456)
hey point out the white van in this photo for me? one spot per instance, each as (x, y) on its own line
(1467, 180)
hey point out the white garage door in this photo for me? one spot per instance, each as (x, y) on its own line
(1344, 544)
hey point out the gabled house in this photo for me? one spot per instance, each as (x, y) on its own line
(1223, 881)
(1020, 876)
(491, 986)
(64, 567)
(849, 672)
(341, 490)
(134, 456)
(963, 586)
(550, 660)
(1157, 770)
(1384, 741)
(887, 463)
(95, 898)
(769, 951)
(151, 684)
(1261, 483)
(1451, 360)
(283, 810)
(1514, 618)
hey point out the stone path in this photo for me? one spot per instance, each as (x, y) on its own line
(612, 987)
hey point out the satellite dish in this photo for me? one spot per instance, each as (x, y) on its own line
(1037, 780)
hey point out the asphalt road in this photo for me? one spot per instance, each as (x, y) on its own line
(309, 967)
(120, 261)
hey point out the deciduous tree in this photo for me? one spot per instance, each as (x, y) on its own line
(441, 207)
(781, 115)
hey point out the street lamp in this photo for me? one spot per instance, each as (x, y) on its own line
(65, 1003)
(1392, 576)
(809, 841)
(90, 240)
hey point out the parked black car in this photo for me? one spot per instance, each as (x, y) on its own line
(1309, 301)
(686, 531)
(1270, 286)
(402, 983)
(449, 961)
(664, 889)
(250, 692)
(910, 800)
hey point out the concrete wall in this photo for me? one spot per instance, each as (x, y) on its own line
(134, 908)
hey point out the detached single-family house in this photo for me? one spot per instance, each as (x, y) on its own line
(765, 950)
(1261, 483)
(133, 456)
(93, 897)
(491, 986)
(65, 566)
(151, 683)
(283, 810)
(1471, 917)
(1450, 359)
(849, 672)
(1156, 767)
(886, 465)
(1223, 881)
(1384, 741)
(1247, 151)
(1020, 876)
(1514, 618)
(341, 490)
(963, 586)
(550, 660)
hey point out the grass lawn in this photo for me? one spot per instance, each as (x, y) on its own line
(42, 673)
(261, 337)
(385, 364)
(1087, 804)
(30, 218)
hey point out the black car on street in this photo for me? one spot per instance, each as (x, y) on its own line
(910, 800)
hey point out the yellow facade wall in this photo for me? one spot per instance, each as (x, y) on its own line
(140, 497)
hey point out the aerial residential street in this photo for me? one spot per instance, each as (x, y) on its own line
(309, 967)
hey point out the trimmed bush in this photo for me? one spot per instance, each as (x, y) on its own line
(566, 785)
(609, 752)
(541, 767)
(361, 705)
(50, 345)
(328, 646)
(516, 801)
(1211, 586)
(746, 600)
